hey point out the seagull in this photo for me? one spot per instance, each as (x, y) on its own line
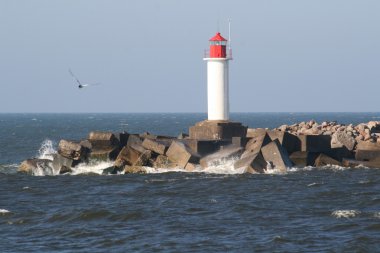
(81, 85)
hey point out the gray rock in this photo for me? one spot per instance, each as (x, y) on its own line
(340, 139)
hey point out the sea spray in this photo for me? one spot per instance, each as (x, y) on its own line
(47, 150)
(93, 167)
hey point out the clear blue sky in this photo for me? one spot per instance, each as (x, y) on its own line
(293, 56)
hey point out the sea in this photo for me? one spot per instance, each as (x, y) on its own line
(326, 209)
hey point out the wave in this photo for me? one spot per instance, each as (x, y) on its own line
(345, 213)
(4, 211)
(94, 167)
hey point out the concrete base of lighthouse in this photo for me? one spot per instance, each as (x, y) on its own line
(217, 130)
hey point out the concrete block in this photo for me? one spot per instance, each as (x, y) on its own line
(289, 141)
(315, 143)
(240, 141)
(134, 169)
(147, 135)
(156, 146)
(182, 136)
(104, 154)
(255, 132)
(340, 153)
(63, 164)
(324, 160)
(72, 150)
(253, 163)
(367, 151)
(132, 155)
(205, 147)
(255, 144)
(164, 162)
(303, 158)
(181, 154)
(190, 167)
(134, 139)
(31, 166)
(276, 155)
(217, 130)
(101, 140)
(375, 164)
(123, 138)
(228, 152)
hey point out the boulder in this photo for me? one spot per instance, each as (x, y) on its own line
(315, 143)
(36, 167)
(225, 153)
(103, 140)
(303, 158)
(289, 141)
(156, 146)
(134, 169)
(255, 144)
(164, 162)
(367, 151)
(325, 160)
(181, 154)
(133, 155)
(342, 139)
(253, 163)
(276, 155)
(72, 150)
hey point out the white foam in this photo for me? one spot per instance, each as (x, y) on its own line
(4, 211)
(345, 213)
(92, 167)
(376, 215)
(47, 150)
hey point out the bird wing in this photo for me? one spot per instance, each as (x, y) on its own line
(76, 79)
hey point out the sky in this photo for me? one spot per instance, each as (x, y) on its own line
(289, 56)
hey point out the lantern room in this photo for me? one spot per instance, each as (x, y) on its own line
(218, 46)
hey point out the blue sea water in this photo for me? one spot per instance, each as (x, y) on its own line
(328, 209)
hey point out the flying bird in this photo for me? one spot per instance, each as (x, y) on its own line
(80, 84)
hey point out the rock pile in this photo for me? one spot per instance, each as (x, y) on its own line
(302, 144)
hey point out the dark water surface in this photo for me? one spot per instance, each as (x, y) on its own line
(305, 210)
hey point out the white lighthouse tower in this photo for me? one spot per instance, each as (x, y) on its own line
(218, 126)
(217, 79)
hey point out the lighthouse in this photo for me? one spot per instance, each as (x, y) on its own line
(217, 129)
(217, 59)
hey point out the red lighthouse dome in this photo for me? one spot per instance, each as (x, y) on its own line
(218, 46)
